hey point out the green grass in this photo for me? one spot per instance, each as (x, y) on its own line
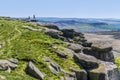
(25, 45)
(117, 62)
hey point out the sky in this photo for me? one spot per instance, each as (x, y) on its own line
(61, 8)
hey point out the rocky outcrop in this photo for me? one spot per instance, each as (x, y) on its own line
(34, 71)
(75, 47)
(80, 74)
(106, 71)
(54, 68)
(53, 33)
(61, 54)
(100, 51)
(70, 33)
(48, 25)
(86, 61)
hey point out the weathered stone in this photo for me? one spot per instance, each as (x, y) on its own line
(67, 78)
(5, 64)
(61, 54)
(69, 51)
(69, 75)
(34, 71)
(101, 52)
(80, 74)
(48, 25)
(47, 59)
(53, 70)
(112, 71)
(75, 47)
(86, 44)
(53, 33)
(86, 61)
(101, 46)
(55, 66)
(2, 77)
(13, 60)
(70, 33)
(106, 71)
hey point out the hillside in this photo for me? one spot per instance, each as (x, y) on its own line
(32, 51)
(25, 45)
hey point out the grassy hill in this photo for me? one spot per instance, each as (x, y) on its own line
(26, 45)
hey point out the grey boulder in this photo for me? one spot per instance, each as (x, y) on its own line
(32, 70)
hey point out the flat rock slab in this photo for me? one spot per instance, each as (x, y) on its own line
(34, 71)
(8, 64)
(75, 47)
(102, 46)
(86, 61)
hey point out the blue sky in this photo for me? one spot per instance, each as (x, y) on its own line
(61, 8)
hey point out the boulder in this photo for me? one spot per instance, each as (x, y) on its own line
(75, 47)
(54, 68)
(61, 54)
(67, 78)
(70, 33)
(86, 61)
(86, 44)
(32, 70)
(13, 60)
(69, 51)
(8, 65)
(53, 33)
(100, 51)
(2, 77)
(106, 71)
(80, 74)
(48, 25)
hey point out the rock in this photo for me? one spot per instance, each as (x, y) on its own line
(75, 47)
(48, 25)
(86, 61)
(70, 33)
(5, 65)
(101, 46)
(47, 59)
(2, 77)
(67, 78)
(61, 54)
(69, 51)
(55, 66)
(80, 74)
(53, 33)
(13, 60)
(106, 71)
(86, 44)
(69, 75)
(100, 51)
(34, 71)
(112, 71)
(53, 70)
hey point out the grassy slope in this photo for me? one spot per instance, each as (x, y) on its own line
(21, 43)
